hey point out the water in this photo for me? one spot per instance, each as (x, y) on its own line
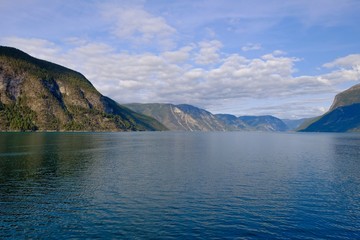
(179, 185)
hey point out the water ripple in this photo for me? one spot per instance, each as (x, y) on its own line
(180, 186)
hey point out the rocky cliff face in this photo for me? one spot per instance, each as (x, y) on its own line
(180, 117)
(343, 115)
(189, 118)
(39, 95)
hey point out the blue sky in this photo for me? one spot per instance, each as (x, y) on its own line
(278, 57)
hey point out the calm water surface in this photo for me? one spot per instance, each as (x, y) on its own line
(179, 185)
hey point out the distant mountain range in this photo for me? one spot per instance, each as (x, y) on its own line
(189, 118)
(343, 115)
(253, 123)
(180, 117)
(40, 95)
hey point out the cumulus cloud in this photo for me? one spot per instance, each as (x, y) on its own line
(173, 77)
(209, 52)
(346, 69)
(347, 61)
(178, 56)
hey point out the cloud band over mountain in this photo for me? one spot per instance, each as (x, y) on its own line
(224, 61)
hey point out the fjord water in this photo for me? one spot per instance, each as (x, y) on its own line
(179, 185)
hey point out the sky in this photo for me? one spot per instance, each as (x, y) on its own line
(286, 58)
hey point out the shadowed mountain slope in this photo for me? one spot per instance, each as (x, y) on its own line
(343, 115)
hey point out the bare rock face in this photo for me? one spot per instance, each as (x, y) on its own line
(180, 117)
(39, 95)
(185, 117)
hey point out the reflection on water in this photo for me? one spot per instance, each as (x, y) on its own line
(179, 185)
(38, 156)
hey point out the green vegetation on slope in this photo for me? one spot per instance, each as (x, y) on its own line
(17, 117)
(40, 95)
(347, 97)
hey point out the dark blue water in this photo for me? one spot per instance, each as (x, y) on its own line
(179, 185)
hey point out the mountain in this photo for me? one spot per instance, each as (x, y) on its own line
(264, 123)
(307, 123)
(341, 119)
(40, 95)
(253, 123)
(233, 123)
(185, 117)
(347, 97)
(343, 115)
(181, 117)
(293, 124)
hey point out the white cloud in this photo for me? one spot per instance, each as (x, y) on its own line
(136, 24)
(196, 73)
(42, 48)
(209, 52)
(170, 76)
(348, 61)
(251, 47)
(347, 69)
(179, 56)
(287, 109)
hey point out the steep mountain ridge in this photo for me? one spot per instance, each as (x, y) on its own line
(341, 119)
(347, 97)
(40, 95)
(343, 115)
